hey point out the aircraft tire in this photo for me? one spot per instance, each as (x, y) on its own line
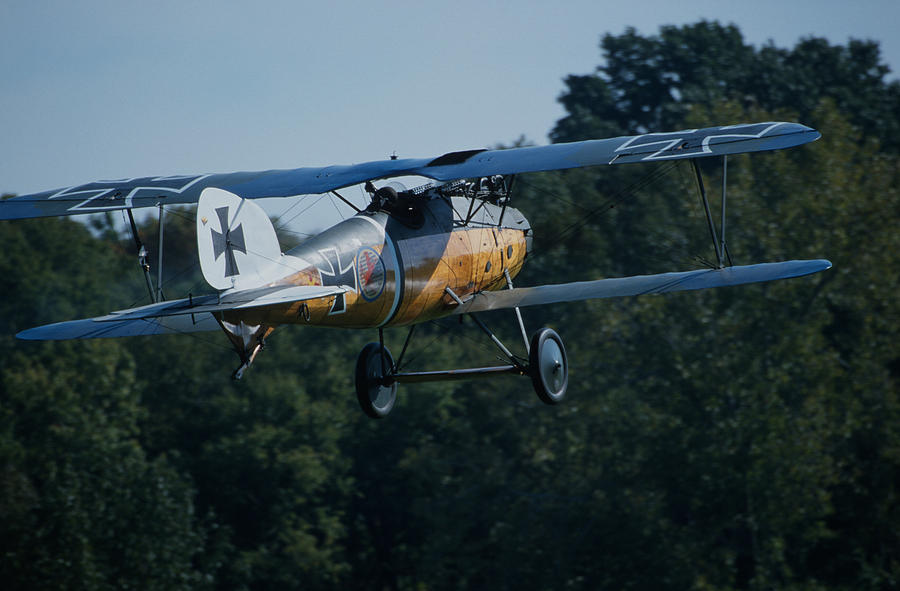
(375, 397)
(548, 366)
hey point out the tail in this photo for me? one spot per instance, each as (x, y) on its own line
(236, 242)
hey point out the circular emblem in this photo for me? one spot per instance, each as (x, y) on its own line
(370, 269)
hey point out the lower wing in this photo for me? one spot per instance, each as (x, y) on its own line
(195, 314)
(94, 328)
(639, 285)
(175, 316)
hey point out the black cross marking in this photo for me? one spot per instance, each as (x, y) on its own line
(333, 273)
(227, 242)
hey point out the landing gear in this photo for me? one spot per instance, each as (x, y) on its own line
(377, 375)
(548, 366)
(376, 396)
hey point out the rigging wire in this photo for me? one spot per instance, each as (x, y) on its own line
(555, 196)
(621, 196)
(312, 203)
(284, 214)
(217, 344)
(453, 335)
(618, 198)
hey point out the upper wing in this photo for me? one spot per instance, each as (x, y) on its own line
(151, 191)
(175, 316)
(639, 285)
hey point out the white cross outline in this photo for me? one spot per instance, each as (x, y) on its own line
(704, 145)
(128, 199)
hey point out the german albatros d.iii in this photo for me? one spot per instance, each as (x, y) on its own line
(450, 247)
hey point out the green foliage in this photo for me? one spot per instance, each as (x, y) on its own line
(83, 506)
(726, 439)
(650, 83)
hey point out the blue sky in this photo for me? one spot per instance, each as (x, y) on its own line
(103, 89)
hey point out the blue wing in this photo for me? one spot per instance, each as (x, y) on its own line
(91, 328)
(175, 316)
(639, 285)
(151, 191)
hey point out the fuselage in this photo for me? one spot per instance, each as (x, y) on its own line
(396, 265)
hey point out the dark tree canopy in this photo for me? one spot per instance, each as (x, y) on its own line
(651, 83)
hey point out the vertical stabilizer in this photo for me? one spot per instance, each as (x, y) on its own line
(236, 242)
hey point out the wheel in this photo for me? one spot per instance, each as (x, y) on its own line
(548, 366)
(376, 398)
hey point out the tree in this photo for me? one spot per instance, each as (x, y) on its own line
(735, 400)
(83, 506)
(650, 83)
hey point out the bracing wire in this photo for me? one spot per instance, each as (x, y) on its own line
(619, 197)
(611, 203)
(312, 203)
(443, 333)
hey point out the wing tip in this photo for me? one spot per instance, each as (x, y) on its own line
(825, 265)
(29, 334)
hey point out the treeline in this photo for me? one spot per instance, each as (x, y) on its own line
(730, 439)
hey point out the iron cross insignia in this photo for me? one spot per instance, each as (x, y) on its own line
(227, 241)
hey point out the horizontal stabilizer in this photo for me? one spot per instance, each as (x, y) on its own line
(129, 193)
(639, 285)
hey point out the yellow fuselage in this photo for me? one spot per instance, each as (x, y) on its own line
(396, 272)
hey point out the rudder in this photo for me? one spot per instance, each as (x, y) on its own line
(236, 242)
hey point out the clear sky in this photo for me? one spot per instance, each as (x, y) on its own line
(108, 89)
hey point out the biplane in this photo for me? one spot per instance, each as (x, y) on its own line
(449, 247)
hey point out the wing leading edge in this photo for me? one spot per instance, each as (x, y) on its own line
(639, 285)
(152, 191)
